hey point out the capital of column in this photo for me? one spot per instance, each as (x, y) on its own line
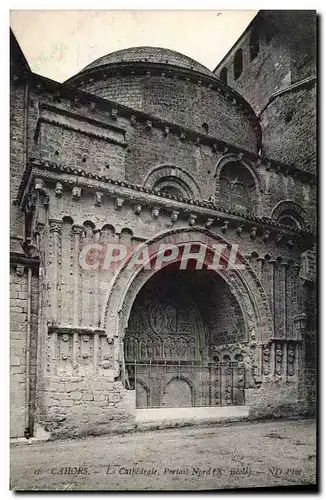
(55, 225)
(76, 229)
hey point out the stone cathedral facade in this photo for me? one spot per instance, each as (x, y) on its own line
(146, 145)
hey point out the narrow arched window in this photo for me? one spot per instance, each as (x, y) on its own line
(253, 45)
(224, 75)
(236, 188)
(237, 64)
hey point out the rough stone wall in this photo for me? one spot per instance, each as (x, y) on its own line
(76, 406)
(139, 149)
(18, 320)
(78, 149)
(127, 90)
(289, 124)
(17, 132)
(77, 356)
(279, 187)
(182, 102)
(285, 57)
(76, 392)
(19, 406)
(149, 149)
(75, 134)
(267, 73)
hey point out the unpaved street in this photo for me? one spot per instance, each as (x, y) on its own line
(191, 458)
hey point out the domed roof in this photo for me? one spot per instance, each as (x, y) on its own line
(151, 55)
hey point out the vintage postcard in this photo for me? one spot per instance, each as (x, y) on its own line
(163, 250)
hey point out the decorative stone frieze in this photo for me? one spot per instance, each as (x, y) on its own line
(253, 232)
(76, 193)
(77, 229)
(266, 235)
(133, 120)
(58, 189)
(174, 216)
(118, 203)
(114, 114)
(155, 212)
(55, 225)
(192, 219)
(225, 226)
(98, 199)
(209, 222)
(137, 209)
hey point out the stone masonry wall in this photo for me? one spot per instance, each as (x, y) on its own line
(17, 132)
(19, 406)
(289, 124)
(267, 73)
(76, 391)
(18, 319)
(182, 102)
(77, 406)
(138, 150)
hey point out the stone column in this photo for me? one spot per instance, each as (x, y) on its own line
(96, 306)
(272, 264)
(54, 250)
(76, 233)
(54, 245)
(280, 300)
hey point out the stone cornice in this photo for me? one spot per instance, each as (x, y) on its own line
(70, 330)
(85, 98)
(79, 117)
(302, 83)
(145, 196)
(169, 71)
(197, 138)
(16, 258)
(295, 86)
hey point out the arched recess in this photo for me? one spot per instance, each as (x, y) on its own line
(289, 213)
(179, 391)
(243, 283)
(173, 180)
(238, 186)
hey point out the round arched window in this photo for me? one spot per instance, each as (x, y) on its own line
(289, 220)
(236, 188)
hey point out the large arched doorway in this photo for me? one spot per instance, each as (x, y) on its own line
(185, 344)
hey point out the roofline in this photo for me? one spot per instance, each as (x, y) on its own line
(211, 80)
(14, 41)
(248, 28)
(92, 65)
(88, 72)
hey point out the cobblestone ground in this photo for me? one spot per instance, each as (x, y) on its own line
(192, 458)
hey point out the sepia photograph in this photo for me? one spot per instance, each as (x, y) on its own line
(163, 250)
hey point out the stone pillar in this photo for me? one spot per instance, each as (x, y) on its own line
(54, 251)
(272, 264)
(76, 232)
(280, 300)
(55, 227)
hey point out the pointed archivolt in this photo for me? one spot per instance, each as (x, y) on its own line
(243, 283)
